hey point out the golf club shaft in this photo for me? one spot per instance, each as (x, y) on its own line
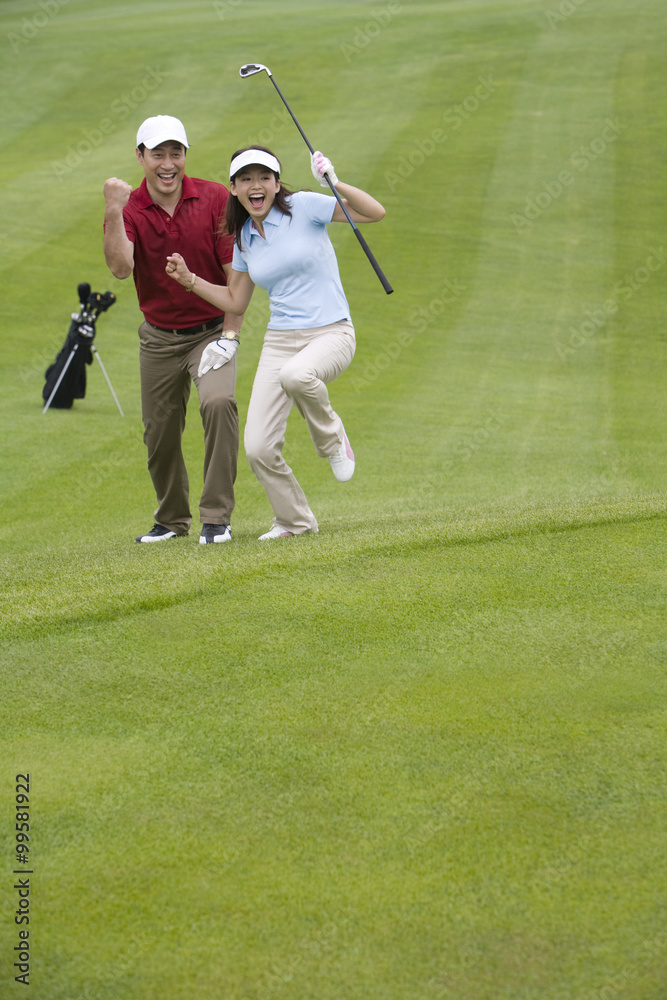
(280, 94)
(364, 245)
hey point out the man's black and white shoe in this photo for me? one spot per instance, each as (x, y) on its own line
(158, 533)
(215, 533)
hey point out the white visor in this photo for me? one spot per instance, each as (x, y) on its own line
(252, 156)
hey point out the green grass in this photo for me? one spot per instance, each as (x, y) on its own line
(419, 756)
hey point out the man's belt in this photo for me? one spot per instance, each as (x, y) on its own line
(202, 328)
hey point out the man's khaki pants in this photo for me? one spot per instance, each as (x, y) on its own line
(293, 368)
(168, 365)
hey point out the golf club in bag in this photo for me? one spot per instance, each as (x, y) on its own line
(66, 377)
(249, 69)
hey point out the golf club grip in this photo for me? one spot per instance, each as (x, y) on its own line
(376, 267)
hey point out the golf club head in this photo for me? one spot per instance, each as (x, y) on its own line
(251, 68)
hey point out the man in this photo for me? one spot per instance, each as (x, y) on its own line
(170, 212)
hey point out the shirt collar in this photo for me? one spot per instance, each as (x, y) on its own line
(144, 199)
(273, 219)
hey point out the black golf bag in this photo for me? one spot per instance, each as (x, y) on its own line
(68, 372)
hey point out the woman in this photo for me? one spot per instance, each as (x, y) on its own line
(281, 244)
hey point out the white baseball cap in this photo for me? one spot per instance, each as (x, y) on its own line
(252, 156)
(161, 128)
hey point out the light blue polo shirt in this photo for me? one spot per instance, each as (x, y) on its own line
(296, 263)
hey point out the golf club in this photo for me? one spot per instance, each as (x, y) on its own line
(249, 69)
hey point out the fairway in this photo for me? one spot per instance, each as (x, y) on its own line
(419, 755)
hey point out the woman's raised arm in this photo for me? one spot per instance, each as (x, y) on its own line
(233, 297)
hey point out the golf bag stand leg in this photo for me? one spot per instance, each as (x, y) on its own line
(104, 372)
(60, 378)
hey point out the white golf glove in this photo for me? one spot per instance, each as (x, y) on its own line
(320, 166)
(216, 354)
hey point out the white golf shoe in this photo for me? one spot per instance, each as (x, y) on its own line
(276, 532)
(342, 461)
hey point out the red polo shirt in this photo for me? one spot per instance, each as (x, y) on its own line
(191, 231)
